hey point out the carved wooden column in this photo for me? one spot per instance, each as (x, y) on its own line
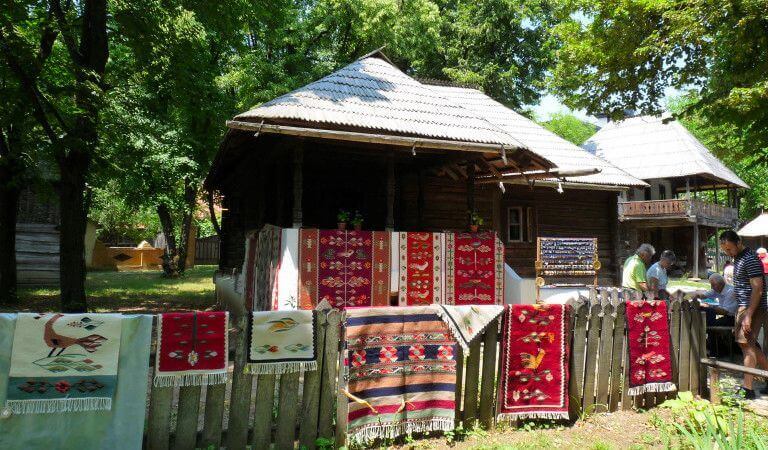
(298, 188)
(695, 271)
(390, 225)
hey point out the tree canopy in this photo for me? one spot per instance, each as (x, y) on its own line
(569, 127)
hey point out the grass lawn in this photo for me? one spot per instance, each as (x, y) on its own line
(704, 284)
(132, 291)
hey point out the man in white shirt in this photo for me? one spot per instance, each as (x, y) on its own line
(726, 298)
(657, 275)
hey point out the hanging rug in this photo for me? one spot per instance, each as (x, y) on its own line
(474, 269)
(534, 362)
(650, 364)
(192, 348)
(63, 362)
(468, 321)
(282, 342)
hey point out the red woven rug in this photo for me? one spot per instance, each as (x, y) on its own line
(420, 268)
(650, 366)
(474, 273)
(535, 350)
(192, 348)
(346, 268)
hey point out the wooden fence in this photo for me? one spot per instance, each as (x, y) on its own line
(297, 409)
(207, 250)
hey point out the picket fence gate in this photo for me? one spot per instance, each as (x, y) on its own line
(306, 409)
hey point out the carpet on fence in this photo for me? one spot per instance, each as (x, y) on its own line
(650, 364)
(346, 268)
(535, 352)
(64, 362)
(421, 264)
(191, 349)
(401, 370)
(263, 259)
(122, 427)
(474, 269)
(282, 342)
(466, 322)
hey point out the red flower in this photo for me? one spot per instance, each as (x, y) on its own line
(273, 349)
(62, 386)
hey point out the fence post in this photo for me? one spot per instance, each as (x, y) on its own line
(487, 392)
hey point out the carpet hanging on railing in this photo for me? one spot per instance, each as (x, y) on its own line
(282, 342)
(535, 352)
(64, 362)
(262, 258)
(468, 321)
(401, 369)
(346, 268)
(421, 263)
(650, 365)
(191, 348)
(474, 271)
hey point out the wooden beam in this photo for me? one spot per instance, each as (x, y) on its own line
(298, 181)
(695, 250)
(372, 138)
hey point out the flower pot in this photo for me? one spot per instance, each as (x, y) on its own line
(358, 226)
(342, 225)
(473, 228)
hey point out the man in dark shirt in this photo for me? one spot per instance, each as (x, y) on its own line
(748, 284)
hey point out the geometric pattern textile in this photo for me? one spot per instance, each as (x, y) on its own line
(534, 362)
(421, 256)
(650, 365)
(401, 368)
(474, 271)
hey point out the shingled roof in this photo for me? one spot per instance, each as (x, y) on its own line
(651, 147)
(566, 155)
(373, 94)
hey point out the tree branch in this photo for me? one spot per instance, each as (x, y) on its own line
(69, 40)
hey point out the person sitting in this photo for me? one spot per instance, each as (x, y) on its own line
(656, 276)
(633, 275)
(726, 307)
(728, 273)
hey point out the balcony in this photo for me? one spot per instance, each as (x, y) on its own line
(704, 213)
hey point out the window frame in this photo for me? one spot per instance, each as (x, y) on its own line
(520, 224)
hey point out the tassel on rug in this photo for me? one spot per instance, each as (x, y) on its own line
(279, 368)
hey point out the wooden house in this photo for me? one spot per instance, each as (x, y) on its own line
(673, 212)
(410, 155)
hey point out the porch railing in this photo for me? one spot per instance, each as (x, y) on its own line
(681, 208)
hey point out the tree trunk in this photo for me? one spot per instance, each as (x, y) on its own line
(190, 201)
(11, 173)
(73, 169)
(171, 255)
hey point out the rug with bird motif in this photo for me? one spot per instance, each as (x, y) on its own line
(421, 267)
(401, 371)
(63, 362)
(282, 342)
(534, 362)
(346, 268)
(191, 348)
(474, 269)
(650, 364)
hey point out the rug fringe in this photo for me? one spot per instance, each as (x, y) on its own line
(190, 379)
(652, 387)
(45, 406)
(374, 431)
(279, 368)
(549, 415)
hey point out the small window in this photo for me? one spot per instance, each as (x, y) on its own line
(515, 225)
(662, 192)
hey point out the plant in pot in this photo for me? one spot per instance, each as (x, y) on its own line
(342, 218)
(357, 221)
(475, 221)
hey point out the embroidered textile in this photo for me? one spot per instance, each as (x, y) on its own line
(261, 263)
(474, 272)
(347, 268)
(535, 351)
(120, 428)
(192, 348)
(468, 321)
(650, 365)
(64, 362)
(401, 371)
(282, 342)
(421, 262)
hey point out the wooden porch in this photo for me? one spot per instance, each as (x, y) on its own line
(692, 210)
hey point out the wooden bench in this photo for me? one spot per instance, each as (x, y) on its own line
(714, 367)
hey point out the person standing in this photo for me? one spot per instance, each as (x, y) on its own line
(633, 275)
(748, 285)
(657, 275)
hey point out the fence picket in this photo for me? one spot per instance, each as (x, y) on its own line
(593, 342)
(262, 418)
(488, 379)
(242, 384)
(685, 347)
(186, 417)
(616, 353)
(576, 384)
(159, 418)
(696, 351)
(604, 359)
(310, 404)
(288, 403)
(214, 415)
(471, 386)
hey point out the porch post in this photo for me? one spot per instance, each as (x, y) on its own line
(298, 181)
(695, 273)
(390, 225)
(470, 190)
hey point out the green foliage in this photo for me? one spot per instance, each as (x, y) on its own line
(569, 127)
